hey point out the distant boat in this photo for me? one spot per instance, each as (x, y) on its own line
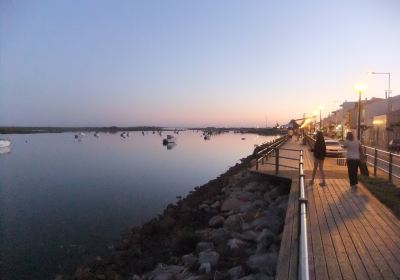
(82, 134)
(169, 139)
(96, 134)
(243, 138)
(4, 143)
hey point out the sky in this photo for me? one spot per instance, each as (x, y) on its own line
(190, 63)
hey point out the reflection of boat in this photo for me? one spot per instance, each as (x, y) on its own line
(4, 143)
(171, 145)
(207, 137)
(169, 139)
(5, 150)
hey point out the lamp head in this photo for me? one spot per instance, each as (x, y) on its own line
(371, 73)
(360, 88)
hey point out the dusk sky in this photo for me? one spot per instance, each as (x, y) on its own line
(190, 63)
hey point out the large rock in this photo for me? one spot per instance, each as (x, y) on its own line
(216, 205)
(247, 235)
(231, 204)
(189, 260)
(274, 222)
(236, 272)
(165, 272)
(254, 187)
(265, 263)
(210, 257)
(233, 222)
(216, 221)
(264, 240)
(219, 235)
(236, 244)
(203, 246)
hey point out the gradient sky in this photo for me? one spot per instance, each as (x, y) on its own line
(190, 63)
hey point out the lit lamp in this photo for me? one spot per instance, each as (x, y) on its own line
(360, 88)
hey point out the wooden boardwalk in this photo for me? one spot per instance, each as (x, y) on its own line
(351, 235)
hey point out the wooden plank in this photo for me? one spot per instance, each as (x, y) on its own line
(383, 215)
(382, 228)
(282, 271)
(329, 250)
(354, 258)
(360, 245)
(318, 265)
(341, 254)
(361, 216)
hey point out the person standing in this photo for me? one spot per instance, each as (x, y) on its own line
(352, 158)
(319, 157)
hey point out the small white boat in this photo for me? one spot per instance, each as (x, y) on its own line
(4, 143)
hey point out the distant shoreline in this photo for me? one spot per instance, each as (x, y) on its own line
(115, 129)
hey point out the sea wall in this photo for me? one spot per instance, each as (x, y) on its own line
(229, 228)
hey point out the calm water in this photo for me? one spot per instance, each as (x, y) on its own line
(62, 200)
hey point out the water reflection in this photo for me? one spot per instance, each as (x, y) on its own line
(5, 150)
(170, 146)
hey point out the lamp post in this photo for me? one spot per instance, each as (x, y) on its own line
(388, 91)
(360, 89)
(320, 108)
(315, 119)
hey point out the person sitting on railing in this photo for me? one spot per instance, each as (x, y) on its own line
(319, 157)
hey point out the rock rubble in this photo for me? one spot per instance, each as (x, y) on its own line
(229, 229)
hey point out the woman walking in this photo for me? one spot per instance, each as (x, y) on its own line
(352, 158)
(319, 157)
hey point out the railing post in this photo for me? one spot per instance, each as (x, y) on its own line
(375, 161)
(256, 164)
(390, 166)
(262, 160)
(276, 161)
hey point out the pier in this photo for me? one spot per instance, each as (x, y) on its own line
(350, 234)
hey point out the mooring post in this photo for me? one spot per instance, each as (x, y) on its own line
(276, 161)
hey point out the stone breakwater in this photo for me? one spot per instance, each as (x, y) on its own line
(230, 228)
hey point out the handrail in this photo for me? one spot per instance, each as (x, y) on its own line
(382, 151)
(303, 240)
(376, 160)
(303, 269)
(271, 148)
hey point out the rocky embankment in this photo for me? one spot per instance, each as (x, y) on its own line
(230, 228)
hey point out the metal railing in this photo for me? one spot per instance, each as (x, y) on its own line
(270, 150)
(385, 161)
(274, 151)
(303, 240)
(382, 160)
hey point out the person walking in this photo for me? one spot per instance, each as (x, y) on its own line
(353, 148)
(319, 157)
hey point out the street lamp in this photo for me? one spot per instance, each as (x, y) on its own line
(388, 91)
(360, 89)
